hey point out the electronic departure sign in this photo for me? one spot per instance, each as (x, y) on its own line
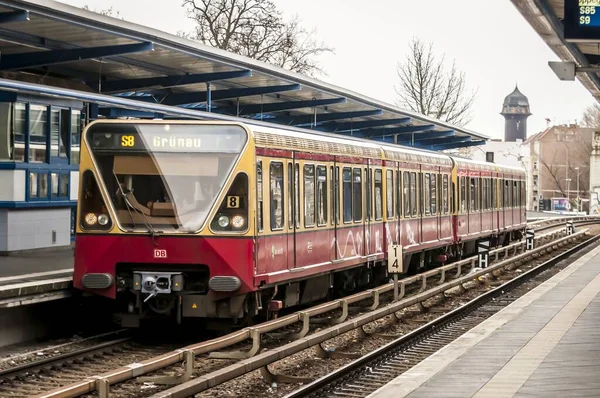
(582, 20)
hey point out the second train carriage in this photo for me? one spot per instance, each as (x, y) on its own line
(223, 220)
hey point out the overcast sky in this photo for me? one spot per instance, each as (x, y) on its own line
(494, 46)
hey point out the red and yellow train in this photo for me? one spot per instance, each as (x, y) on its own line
(223, 220)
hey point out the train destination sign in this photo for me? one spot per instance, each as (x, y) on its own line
(582, 20)
(176, 138)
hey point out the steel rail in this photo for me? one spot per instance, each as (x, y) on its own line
(204, 382)
(414, 336)
(128, 372)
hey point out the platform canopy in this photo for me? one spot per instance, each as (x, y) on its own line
(43, 41)
(571, 28)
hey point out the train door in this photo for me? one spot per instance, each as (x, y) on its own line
(368, 214)
(293, 210)
(274, 221)
(261, 251)
(377, 228)
(438, 201)
(334, 199)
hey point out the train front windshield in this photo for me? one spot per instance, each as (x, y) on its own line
(164, 177)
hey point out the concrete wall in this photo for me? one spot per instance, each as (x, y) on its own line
(27, 229)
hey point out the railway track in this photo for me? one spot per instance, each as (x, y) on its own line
(362, 377)
(247, 359)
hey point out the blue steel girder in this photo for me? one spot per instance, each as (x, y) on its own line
(429, 135)
(201, 96)
(380, 132)
(120, 86)
(278, 106)
(42, 58)
(14, 16)
(463, 144)
(414, 129)
(122, 112)
(50, 44)
(441, 141)
(308, 120)
(361, 124)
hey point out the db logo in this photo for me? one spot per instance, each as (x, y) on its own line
(159, 253)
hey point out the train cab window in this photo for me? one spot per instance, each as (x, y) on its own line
(389, 193)
(321, 196)
(463, 195)
(378, 195)
(356, 195)
(259, 194)
(427, 192)
(413, 193)
(291, 198)
(297, 195)
(277, 197)
(445, 193)
(433, 191)
(407, 195)
(309, 195)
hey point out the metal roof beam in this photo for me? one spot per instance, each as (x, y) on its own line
(441, 141)
(41, 58)
(201, 96)
(430, 135)
(120, 86)
(14, 16)
(349, 126)
(380, 132)
(279, 106)
(455, 145)
(408, 130)
(309, 120)
(122, 112)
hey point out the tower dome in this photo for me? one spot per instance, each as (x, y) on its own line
(515, 110)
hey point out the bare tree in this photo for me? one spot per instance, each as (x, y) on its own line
(591, 116)
(256, 29)
(426, 87)
(109, 12)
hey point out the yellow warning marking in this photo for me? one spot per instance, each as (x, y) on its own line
(194, 305)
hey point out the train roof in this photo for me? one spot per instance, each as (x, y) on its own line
(480, 165)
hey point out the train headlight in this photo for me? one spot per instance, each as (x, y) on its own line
(237, 222)
(91, 219)
(223, 221)
(103, 219)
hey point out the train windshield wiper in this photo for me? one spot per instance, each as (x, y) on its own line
(147, 223)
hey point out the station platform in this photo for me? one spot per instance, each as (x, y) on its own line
(31, 278)
(545, 344)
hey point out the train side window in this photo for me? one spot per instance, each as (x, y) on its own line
(337, 195)
(389, 193)
(309, 195)
(297, 195)
(427, 191)
(463, 195)
(484, 194)
(357, 195)
(523, 196)
(515, 194)
(434, 195)
(407, 195)
(369, 193)
(259, 193)
(413, 193)
(445, 193)
(290, 184)
(506, 202)
(276, 195)
(378, 195)
(398, 194)
(494, 193)
(332, 198)
(347, 188)
(321, 196)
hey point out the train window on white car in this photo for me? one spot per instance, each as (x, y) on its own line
(259, 193)
(427, 191)
(321, 195)
(276, 193)
(445, 193)
(413, 193)
(347, 188)
(309, 195)
(378, 195)
(407, 195)
(433, 191)
(356, 195)
(389, 193)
